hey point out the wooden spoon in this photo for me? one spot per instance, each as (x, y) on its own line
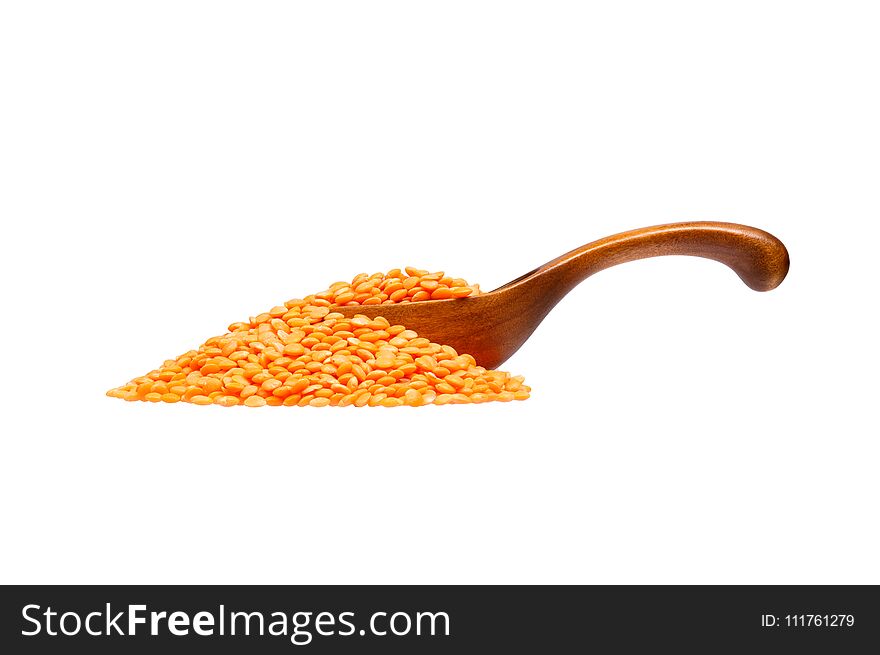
(492, 326)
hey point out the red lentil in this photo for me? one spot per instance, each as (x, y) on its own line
(303, 353)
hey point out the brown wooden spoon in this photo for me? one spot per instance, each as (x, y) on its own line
(492, 326)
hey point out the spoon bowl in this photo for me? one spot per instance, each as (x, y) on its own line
(492, 326)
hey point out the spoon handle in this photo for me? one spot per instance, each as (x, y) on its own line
(759, 258)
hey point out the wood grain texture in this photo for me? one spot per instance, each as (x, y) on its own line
(493, 326)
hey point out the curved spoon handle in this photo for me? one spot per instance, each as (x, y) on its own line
(758, 257)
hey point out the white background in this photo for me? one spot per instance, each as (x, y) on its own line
(167, 168)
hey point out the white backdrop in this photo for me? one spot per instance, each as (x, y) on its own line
(167, 168)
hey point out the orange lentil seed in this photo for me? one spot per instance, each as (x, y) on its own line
(303, 353)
